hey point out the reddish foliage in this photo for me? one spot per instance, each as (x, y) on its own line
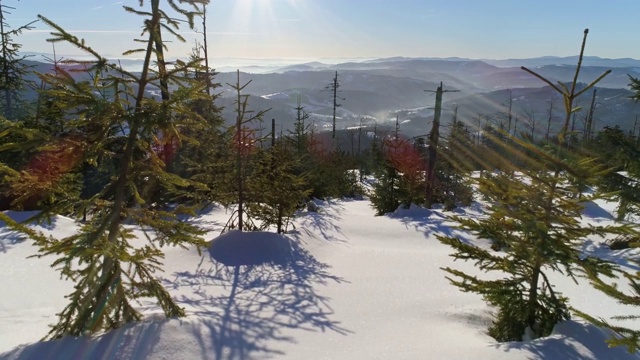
(245, 141)
(43, 173)
(321, 145)
(405, 158)
(166, 149)
(58, 159)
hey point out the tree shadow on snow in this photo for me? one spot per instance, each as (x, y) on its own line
(248, 300)
(321, 222)
(243, 304)
(623, 258)
(9, 238)
(595, 212)
(427, 221)
(132, 341)
(202, 219)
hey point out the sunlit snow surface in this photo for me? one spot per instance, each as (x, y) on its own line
(344, 284)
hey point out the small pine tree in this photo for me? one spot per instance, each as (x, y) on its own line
(534, 218)
(457, 160)
(244, 146)
(385, 191)
(13, 70)
(410, 167)
(328, 172)
(621, 154)
(111, 274)
(616, 149)
(276, 190)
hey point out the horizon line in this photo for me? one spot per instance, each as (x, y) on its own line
(362, 58)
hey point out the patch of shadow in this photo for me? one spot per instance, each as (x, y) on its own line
(482, 320)
(133, 341)
(572, 340)
(595, 211)
(249, 307)
(322, 221)
(429, 222)
(200, 218)
(624, 258)
(237, 248)
(10, 238)
(32, 217)
(475, 210)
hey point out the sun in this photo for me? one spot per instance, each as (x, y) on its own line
(262, 13)
(263, 26)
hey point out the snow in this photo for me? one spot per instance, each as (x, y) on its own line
(276, 96)
(344, 285)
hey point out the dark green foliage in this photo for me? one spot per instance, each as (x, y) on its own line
(635, 87)
(331, 175)
(623, 242)
(13, 70)
(244, 145)
(621, 153)
(205, 149)
(457, 160)
(385, 196)
(401, 176)
(17, 143)
(275, 190)
(212, 164)
(109, 278)
(122, 136)
(453, 188)
(534, 219)
(402, 172)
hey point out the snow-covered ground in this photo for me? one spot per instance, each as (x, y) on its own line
(353, 286)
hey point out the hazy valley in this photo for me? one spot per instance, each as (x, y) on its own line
(376, 91)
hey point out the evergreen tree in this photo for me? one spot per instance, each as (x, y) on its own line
(205, 146)
(385, 197)
(621, 154)
(457, 159)
(276, 190)
(110, 273)
(328, 172)
(622, 151)
(13, 70)
(401, 177)
(534, 218)
(300, 129)
(224, 159)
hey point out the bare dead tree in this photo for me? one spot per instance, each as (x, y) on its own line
(434, 136)
(569, 95)
(549, 118)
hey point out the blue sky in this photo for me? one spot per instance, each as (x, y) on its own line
(310, 29)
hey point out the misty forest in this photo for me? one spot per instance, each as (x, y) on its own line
(514, 183)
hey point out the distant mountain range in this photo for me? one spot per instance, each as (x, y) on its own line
(379, 90)
(382, 89)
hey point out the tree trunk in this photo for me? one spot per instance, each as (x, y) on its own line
(239, 179)
(433, 147)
